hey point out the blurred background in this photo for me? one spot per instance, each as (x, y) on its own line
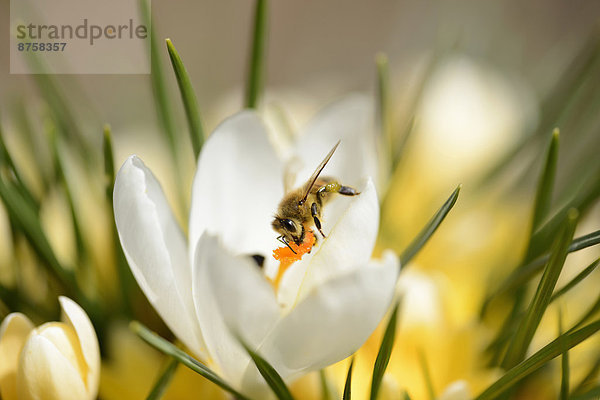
(480, 80)
(322, 50)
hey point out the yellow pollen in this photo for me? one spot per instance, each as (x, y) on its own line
(287, 257)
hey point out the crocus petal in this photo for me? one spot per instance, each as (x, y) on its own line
(349, 244)
(237, 186)
(333, 320)
(245, 298)
(13, 333)
(224, 349)
(351, 121)
(156, 249)
(46, 373)
(75, 317)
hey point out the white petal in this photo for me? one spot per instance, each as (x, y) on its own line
(349, 244)
(237, 186)
(334, 320)
(244, 297)
(13, 333)
(223, 347)
(351, 121)
(156, 249)
(76, 317)
(458, 390)
(45, 373)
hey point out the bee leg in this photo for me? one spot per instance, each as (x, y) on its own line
(348, 191)
(314, 213)
(335, 187)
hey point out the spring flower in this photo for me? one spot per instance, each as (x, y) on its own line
(211, 293)
(57, 360)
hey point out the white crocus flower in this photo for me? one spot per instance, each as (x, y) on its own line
(55, 361)
(209, 290)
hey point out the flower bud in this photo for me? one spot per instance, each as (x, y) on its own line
(57, 360)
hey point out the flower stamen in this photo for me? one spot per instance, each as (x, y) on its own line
(290, 254)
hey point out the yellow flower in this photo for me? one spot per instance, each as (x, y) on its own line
(57, 360)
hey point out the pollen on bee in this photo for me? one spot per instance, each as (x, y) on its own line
(287, 257)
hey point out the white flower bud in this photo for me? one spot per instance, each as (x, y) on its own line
(57, 360)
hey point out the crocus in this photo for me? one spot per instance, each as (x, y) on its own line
(209, 290)
(57, 360)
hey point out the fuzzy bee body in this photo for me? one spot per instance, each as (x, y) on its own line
(301, 208)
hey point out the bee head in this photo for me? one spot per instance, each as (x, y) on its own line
(291, 229)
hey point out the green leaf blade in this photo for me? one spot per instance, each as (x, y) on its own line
(421, 239)
(28, 221)
(348, 384)
(426, 375)
(164, 379)
(564, 363)
(543, 198)
(573, 282)
(383, 103)
(538, 360)
(528, 325)
(527, 271)
(170, 349)
(384, 353)
(188, 97)
(157, 78)
(273, 379)
(256, 70)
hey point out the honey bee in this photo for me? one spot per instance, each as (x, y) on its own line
(301, 208)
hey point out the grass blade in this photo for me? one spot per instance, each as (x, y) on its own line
(385, 351)
(564, 362)
(585, 197)
(325, 391)
(383, 103)
(109, 163)
(543, 197)
(441, 51)
(429, 229)
(507, 331)
(124, 273)
(589, 380)
(163, 103)
(163, 381)
(28, 222)
(348, 385)
(592, 394)
(528, 325)
(256, 71)
(554, 106)
(188, 97)
(59, 168)
(539, 359)
(168, 348)
(525, 272)
(6, 159)
(590, 313)
(157, 77)
(273, 379)
(573, 282)
(426, 375)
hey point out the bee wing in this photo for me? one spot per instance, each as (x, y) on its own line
(311, 181)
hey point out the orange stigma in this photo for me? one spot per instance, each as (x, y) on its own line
(287, 257)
